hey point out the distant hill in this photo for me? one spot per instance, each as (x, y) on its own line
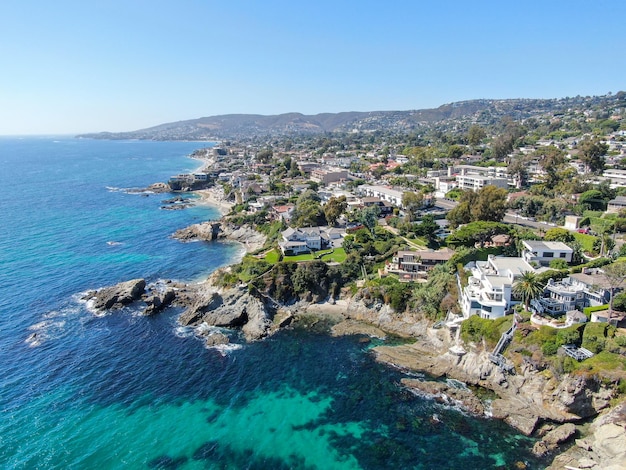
(483, 111)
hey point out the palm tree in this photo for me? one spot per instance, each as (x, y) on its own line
(528, 287)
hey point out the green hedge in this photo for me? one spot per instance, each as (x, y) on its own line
(589, 310)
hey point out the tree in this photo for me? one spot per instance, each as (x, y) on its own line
(461, 214)
(552, 161)
(264, 155)
(428, 229)
(490, 205)
(308, 210)
(477, 232)
(527, 288)
(592, 154)
(334, 208)
(412, 202)
(368, 216)
(558, 234)
(616, 275)
(475, 135)
(593, 199)
(518, 169)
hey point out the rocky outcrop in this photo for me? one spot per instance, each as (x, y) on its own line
(603, 448)
(204, 231)
(447, 394)
(552, 439)
(244, 234)
(156, 302)
(525, 399)
(215, 338)
(235, 308)
(117, 296)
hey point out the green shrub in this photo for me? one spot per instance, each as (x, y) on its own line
(598, 308)
(558, 264)
(475, 329)
(549, 348)
(594, 336)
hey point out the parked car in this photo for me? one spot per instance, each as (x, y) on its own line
(584, 230)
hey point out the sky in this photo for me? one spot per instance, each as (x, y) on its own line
(70, 67)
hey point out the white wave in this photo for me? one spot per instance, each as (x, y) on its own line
(65, 312)
(35, 339)
(457, 384)
(140, 191)
(47, 324)
(183, 332)
(488, 404)
(114, 243)
(225, 349)
(46, 329)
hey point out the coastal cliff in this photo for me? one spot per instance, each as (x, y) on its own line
(539, 403)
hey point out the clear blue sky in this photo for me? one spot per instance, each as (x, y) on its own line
(82, 66)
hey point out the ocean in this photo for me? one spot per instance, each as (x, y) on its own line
(116, 391)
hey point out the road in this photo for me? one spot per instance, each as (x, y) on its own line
(509, 218)
(515, 219)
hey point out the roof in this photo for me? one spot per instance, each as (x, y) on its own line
(497, 281)
(517, 266)
(597, 279)
(501, 238)
(546, 246)
(285, 208)
(441, 255)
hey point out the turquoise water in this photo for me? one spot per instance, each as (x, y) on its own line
(124, 391)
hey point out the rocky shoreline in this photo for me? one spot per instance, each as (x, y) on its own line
(554, 409)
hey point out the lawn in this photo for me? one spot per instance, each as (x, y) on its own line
(586, 241)
(337, 255)
(272, 256)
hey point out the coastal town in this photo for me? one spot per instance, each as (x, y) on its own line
(498, 246)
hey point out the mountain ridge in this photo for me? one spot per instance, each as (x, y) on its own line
(479, 111)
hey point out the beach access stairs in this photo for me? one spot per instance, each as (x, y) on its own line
(496, 355)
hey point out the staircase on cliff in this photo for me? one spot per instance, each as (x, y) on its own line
(496, 356)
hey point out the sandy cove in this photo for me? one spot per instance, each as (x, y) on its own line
(215, 197)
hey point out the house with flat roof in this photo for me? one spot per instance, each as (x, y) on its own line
(542, 252)
(384, 193)
(414, 265)
(477, 182)
(489, 289)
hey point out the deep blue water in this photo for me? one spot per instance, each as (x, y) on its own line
(124, 391)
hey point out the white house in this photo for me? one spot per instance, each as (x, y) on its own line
(543, 252)
(384, 193)
(489, 289)
(476, 182)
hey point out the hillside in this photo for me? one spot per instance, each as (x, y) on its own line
(483, 111)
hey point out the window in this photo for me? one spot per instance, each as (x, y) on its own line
(548, 254)
(562, 255)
